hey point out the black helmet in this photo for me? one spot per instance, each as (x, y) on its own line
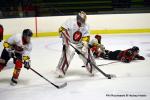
(27, 32)
(135, 48)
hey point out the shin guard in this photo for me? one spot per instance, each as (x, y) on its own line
(18, 66)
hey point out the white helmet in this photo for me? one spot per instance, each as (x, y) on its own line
(81, 18)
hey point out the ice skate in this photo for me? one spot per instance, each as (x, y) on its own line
(13, 82)
(59, 74)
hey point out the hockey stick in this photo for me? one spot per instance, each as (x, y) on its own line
(109, 76)
(57, 86)
(106, 63)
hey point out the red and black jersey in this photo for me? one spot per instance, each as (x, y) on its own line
(128, 55)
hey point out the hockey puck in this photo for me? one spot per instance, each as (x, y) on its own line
(109, 77)
(82, 66)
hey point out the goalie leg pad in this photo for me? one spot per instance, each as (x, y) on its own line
(89, 66)
(65, 60)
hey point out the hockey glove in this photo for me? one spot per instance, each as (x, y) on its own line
(138, 57)
(27, 62)
(27, 65)
(123, 59)
(141, 58)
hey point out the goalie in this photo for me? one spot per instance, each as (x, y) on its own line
(75, 31)
(17, 47)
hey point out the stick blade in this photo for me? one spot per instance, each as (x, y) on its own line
(109, 76)
(113, 75)
(62, 85)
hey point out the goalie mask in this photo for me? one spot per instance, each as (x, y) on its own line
(81, 18)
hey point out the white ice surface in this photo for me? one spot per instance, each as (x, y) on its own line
(132, 79)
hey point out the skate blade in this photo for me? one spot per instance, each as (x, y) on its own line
(13, 84)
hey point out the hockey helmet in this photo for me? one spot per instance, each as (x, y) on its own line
(26, 36)
(135, 48)
(81, 18)
(27, 32)
(98, 37)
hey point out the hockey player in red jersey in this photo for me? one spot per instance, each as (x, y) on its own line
(123, 55)
(1, 32)
(75, 31)
(17, 47)
(126, 56)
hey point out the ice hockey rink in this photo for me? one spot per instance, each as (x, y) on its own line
(132, 81)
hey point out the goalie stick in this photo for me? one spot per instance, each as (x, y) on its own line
(57, 86)
(109, 76)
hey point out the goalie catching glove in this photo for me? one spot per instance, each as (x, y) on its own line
(27, 62)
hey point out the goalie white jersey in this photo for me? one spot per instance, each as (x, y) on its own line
(71, 27)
